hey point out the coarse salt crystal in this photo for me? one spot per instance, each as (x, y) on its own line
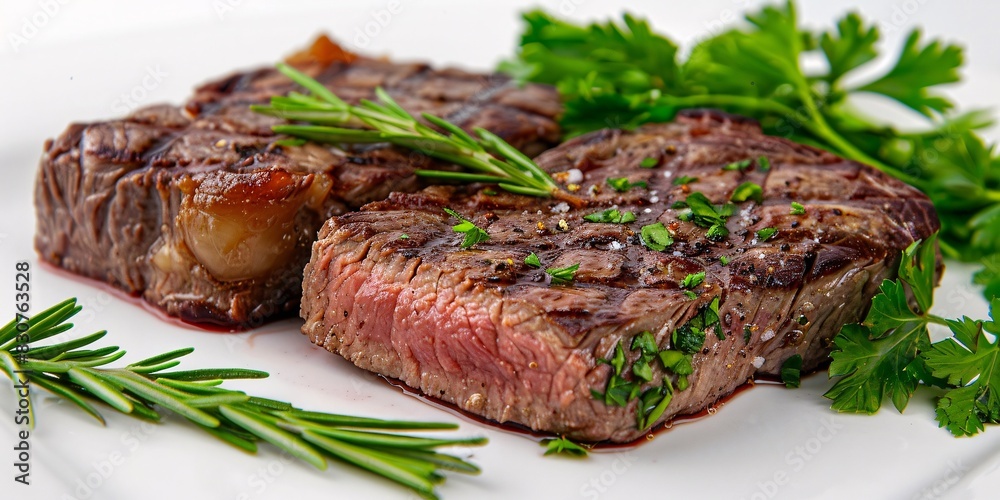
(667, 174)
(654, 199)
(647, 210)
(616, 245)
(758, 362)
(561, 208)
(574, 176)
(768, 335)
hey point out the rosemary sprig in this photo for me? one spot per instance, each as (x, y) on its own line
(146, 388)
(331, 120)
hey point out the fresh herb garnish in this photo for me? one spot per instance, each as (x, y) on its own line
(649, 162)
(562, 275)
(533, 260)
(626, 74)
(890, 353)
(724, 260)
(404, 236)
(684, 179)
(656, 237)
(563, 446)
(797, 209)
(703, 213)
(692, 280)
(766, 233)
(763, 163)
(748, 191)
(334, 121)
(622, 184)
(473, 233)
(146, 389)
(791, 371)
(738, 165)
(611, 216)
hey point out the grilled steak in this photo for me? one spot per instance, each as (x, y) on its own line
(482, 329)
(200, 211)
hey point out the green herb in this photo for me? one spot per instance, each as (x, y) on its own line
(688, 339)
(763, 163)
(490, 192)
(703, 213)
(532, 260)
(147, 388)
(473, 234)
(766, 233)
(747, 331)
(618, 391)
(724, 260)
(563, 446)
(693, 280)
(611, 216)
(791, 371)
(404, 236)
(738, 165)
(655, 237)
(649, 162)
(290, 142)
(797, 209)
(563, 275)
(624, 74)
(690, 295)
(890, 353)
(622, 184)
(652, 403)
(332, 120)
(748, 191)
(684, 179)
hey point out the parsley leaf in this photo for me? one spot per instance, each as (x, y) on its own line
(791, 371)
(738, 165)
(971, 363)
(797, 209)
(851, 46)
(684, 179)
(611, 216)
(693, 280)
(562, 275)
(703, 213)
(656, 237)
(473, 233)
(919, 67)
(622, 184)
(563, 446)
(748, 191)
(532, 260)
(766, 233)
(649, 162)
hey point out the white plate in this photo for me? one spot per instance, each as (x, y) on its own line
(766, 443)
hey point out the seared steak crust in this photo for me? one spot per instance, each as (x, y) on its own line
(481, 329)
(197, 208)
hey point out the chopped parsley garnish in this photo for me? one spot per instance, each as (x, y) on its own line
(656, 237)
(489, 192)
(703, 213)
(404, 236)
(649, 162)
(746, 333)
(563, 275)
(693, 280)
(622, 184)
(798, 208)
(791, 371)
(688, 339)
(690, 295)
(611, 216)
(532, 260)
(724, 260)
(738, 165)
(684, 179)
(763, 163)
(748, 191)
(766, 233)
(473, 233)
(563, 446)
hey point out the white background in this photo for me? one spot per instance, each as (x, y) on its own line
(76, 60)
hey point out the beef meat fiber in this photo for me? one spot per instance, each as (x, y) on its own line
(198, 209)
(483, 330)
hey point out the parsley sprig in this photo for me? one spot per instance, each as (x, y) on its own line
(624, 74)
(78, 373)
(473, 233)
(890, 353)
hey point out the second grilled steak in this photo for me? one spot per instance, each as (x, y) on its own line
(390, 289)
(200, 212)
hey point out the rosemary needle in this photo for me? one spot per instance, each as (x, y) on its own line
(145, 388)
(489, 158)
